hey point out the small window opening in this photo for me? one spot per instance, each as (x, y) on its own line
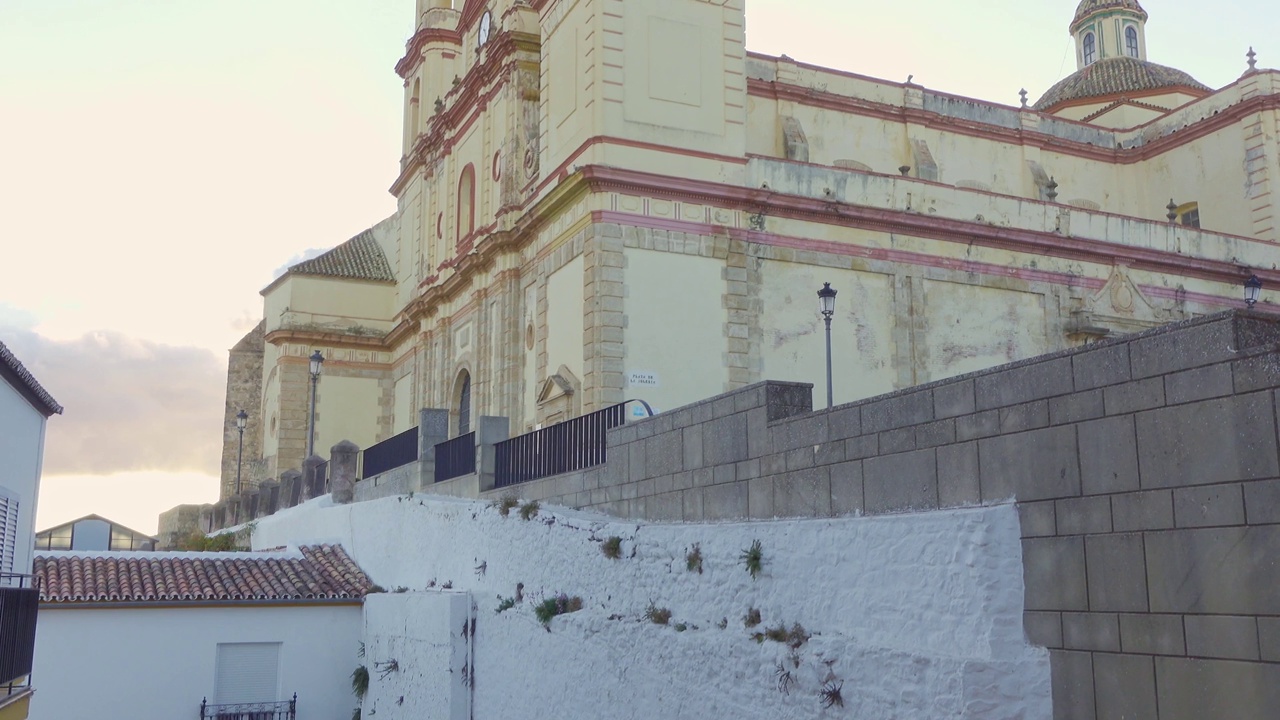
(1090, 49)
(1131, 41)
(1189, 215)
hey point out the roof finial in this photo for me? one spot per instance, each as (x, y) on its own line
(1253, 59)
(1172, 207)
(1023, 94)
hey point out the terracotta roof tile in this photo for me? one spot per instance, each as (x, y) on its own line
(1115, 77)
(320, 572)
(23, 381)
(1089, 8)
(360, 258)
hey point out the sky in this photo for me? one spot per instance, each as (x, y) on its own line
(162, 160)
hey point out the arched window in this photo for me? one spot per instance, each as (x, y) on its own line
(1090, 49)
(415, 116)
(464, 403)
(1131, 41)
(467, 202)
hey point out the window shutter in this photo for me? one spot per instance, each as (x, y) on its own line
(247, 673)
(8, 531)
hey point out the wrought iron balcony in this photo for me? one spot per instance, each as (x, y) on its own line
(280, 710)
(19, 603)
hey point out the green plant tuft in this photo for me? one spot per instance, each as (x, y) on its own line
(559, 605)
(792, 638)
(657, 615)
(505, 604)
(529, 510)
(360, 681)
(681, 627)
(506, 504)
(753, 559)
(693, 560)
(612, 548)
(752, 618)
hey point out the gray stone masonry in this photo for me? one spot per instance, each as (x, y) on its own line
(1146, 470)
(433, 429)
(313, 478)
(342, 471)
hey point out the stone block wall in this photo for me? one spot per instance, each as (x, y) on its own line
(1146, 471)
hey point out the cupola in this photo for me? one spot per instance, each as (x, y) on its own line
(1109, 29)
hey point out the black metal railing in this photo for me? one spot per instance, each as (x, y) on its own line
(19, 603)
(281, 710)
(456, 457)
(564, 447)
(391, 453)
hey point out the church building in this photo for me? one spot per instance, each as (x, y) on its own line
(605, 200)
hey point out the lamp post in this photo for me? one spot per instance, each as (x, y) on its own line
(1252, 290)
(242, 419)
(827, 304)
(317, 362)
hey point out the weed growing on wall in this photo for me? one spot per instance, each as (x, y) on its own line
(559, 605)
(360, 682)
(792, 638)
(386, 668)
(657, 615)
(505, 604)
(785, 679)
(612, 548)
(693, 560)
(753, 559)
(505, 505)
(529, 510)
(831, 696)
(752, 618)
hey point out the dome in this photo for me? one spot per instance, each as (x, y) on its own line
(1117, 76)
(1088, 8)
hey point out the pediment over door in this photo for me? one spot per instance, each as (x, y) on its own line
(558, 397)
(1119, 308)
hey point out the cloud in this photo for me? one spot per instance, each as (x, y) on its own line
(305, 256)
(131, 405)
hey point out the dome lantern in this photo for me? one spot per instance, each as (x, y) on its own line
(1107, 29)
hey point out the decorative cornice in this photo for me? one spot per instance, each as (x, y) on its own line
(1122, 156)
(413, 49)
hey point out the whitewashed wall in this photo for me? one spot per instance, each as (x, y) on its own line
(21, 453)
(918, 615)
(157, 663)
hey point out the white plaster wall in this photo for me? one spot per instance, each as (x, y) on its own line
(157, 663)
(675, 327)
(21, 455)
(427, 637)
(919, 615)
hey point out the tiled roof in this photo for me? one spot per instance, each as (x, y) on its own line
(1089, 7)
(1116, 76)
(360, 258)
(22, 380)
(321, 572)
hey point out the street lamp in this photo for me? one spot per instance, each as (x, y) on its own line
(1252, 290)
(242, 419)
(827, 305)
(317, 361)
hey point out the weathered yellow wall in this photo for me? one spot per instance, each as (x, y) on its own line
(564, 319)
(675, 327)
(863, 346)
(969, 327)
(346, 409)
(406, 415)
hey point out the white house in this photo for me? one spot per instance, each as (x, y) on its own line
(24, 407)
(167, 636)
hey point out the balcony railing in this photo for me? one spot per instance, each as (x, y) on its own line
(564, 447)
(391, 453)
(281, 710)
(456, 457)
(19, 603)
